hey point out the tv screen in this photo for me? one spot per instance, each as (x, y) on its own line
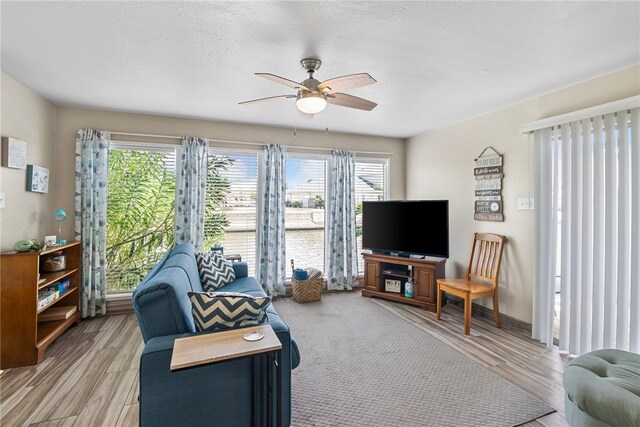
(409, 227)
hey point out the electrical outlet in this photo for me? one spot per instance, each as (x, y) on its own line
(1, 200)
(525, 203)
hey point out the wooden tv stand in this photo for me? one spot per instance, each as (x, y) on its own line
(378, 267)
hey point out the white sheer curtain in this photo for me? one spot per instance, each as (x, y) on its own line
(588, 179)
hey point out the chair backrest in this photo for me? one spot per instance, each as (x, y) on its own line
(485, 259)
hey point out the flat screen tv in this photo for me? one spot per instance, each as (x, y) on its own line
(418, 227)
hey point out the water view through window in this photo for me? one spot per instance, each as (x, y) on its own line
(141, 200)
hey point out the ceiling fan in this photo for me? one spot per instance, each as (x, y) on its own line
(312, 96)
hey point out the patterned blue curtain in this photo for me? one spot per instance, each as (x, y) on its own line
(342, 222)
(271, 262)
(92, 160)
(192, 190)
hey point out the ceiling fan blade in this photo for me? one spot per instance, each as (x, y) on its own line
(253, 101)
(346, 82)
(283, 81)
(350, 101)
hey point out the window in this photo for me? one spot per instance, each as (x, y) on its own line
(230, 210)
(371, 185)
(305, 213)
(141, 204)
(140, 212)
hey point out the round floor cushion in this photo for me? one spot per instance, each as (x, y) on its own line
(602, 388)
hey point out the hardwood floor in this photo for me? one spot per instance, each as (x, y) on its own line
(90, 375)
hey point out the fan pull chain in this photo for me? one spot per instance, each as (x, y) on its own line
(326, 127)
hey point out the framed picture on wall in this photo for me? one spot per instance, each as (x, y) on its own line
(37, 179)
(14, 153)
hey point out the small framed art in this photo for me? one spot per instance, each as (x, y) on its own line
(37, 179)
(14, 153)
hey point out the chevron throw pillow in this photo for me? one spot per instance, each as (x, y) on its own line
(215, 271)
(227, 310)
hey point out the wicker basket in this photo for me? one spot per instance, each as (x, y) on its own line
(307, 290)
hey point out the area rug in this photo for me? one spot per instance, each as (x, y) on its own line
(364, 366)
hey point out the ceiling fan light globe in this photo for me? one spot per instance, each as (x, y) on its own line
(311, 103)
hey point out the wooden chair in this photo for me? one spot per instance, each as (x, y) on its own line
(482, 277)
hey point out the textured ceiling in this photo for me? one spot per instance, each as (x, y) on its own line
(436, 63)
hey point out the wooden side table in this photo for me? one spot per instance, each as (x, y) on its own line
(217, 347)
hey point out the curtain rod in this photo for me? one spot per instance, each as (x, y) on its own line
(226, 141)
(586, 113)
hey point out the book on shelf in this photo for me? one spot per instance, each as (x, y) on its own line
(61, 286)
(47, 297)
(57, 313)
(64, 285)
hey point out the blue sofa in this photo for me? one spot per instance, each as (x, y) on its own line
(221, 394)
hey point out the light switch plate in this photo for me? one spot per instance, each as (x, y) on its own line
(525, 203)
(1, 200)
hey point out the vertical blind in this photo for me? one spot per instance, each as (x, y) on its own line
(588, 180)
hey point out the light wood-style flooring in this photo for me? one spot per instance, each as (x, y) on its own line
(90, 375)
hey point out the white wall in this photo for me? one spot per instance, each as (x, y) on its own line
(27, 116)
(440, 166)
(69, 120)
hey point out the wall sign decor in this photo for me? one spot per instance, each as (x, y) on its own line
(14, 153)
(37, 179)
(488, 173)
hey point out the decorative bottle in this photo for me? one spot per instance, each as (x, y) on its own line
(408, 286)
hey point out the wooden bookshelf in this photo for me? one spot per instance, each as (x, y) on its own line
(24, 339)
